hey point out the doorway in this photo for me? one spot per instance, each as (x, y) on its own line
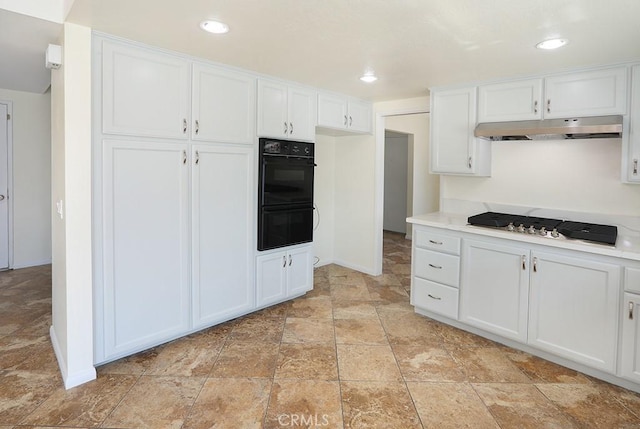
(396, 181)
(5, 177)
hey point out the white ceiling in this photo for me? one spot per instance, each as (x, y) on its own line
(411, 44)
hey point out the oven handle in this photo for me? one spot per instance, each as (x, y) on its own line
(285, 208)
(270, 159)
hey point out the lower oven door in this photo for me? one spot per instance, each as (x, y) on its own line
(282, 227)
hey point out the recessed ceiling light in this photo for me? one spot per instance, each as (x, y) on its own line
(215, 27)
(369, 77)
(552, 44)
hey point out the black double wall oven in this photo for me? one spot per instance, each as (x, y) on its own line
(285, 193)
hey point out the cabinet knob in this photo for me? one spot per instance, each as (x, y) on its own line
(524, 260)
(535, 265)
(631, 310)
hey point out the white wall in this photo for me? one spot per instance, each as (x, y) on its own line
(396, 162)
(31, 177)
(355, 212)
(573, 175)
(72, 330)
(324, 199)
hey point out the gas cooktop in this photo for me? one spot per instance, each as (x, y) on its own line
(545, 227)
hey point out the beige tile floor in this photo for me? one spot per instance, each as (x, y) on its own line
(350, 354)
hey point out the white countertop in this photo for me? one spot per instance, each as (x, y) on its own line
(627, 247)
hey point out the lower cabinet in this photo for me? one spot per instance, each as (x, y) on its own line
(283, 274)
(630, 361)
(494, 292)
(145, 287)
(222, 201)
(573, 309)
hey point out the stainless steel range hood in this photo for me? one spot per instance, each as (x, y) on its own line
(552, 129)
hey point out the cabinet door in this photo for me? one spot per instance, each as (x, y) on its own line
(574, 309)
(299, 271)
(453, 119)
(332, 111)
(632, 156)
(224, 105)
(302, 114)
(144, 93)
(271, 278)
(495, 287)
(512, 101)
(223, 217)
(272, 109)
(359, 116)
(145, 239)
(630, 360)
(593, 93)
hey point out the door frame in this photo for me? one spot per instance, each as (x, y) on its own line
(9, 105)
(379, 178)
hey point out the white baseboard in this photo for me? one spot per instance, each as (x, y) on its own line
(70, 380)
(29, 264)
(365, 270)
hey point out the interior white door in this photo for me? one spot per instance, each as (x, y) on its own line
(4, 188)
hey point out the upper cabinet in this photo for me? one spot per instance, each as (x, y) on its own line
(223, 105)
(590, 93)
(145, 93)
(513, 101)
(343, 113)
(286, 111)
(631, 156)
(454, 149)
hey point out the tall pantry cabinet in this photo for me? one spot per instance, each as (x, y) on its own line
(174, 198)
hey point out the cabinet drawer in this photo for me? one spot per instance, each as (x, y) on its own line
(437, 267)
(429, 239)
(435, 297)
(632, 280)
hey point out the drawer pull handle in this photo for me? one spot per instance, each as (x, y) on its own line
(630, 310)
(434, 297)
(438, 243)
(437, 267)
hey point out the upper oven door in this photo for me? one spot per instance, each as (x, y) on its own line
(285, 180)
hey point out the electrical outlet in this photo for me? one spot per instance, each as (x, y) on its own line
(59, 209)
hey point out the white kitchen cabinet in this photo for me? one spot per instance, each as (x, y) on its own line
(286, 111)
(223, 105)
(283, 274)
(574, 310)
(589, 93)
(630, 347)
(494, 293)
(145, 282)
(344, 113)
(510, 101)
(631, 153)
(435, 271)
(144, 93)
(223, 207)
(454, 149)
